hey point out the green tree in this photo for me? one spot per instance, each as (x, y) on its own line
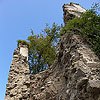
(96, 7)
(42, 48)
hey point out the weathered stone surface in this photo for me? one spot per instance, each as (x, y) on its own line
(70, 77)
(72, 10)
(18, 86)
(23, 50)
(75, 74)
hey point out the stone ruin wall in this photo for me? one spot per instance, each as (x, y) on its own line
(23, 49)
(18, 86)
(71, 11)
(75, 74)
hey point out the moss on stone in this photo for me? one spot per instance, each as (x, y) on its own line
(22, 42)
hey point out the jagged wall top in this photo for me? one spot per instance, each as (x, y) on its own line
(72, 10)
(22, 50)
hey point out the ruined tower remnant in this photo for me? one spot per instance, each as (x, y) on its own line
(72, 10)
(19, 79)
(75, 74)
(23, 50)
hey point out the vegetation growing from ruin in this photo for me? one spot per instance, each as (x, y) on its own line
(22, 42)
(87, 26)
(42, 48)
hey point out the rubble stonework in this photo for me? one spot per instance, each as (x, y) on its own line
(72, 10)
(18, 86)
(74, 75)
(23, 50)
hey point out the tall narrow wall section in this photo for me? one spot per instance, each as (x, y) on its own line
(18, 86)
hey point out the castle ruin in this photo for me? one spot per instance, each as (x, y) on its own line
(74, 75)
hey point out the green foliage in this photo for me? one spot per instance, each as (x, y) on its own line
(42, 48)
(52, 32)
(23, 42)
(87, 26)
(96, 7)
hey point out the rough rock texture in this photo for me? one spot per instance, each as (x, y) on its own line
(23, 49)
(72, 10)
(18, 86)
(75, 75)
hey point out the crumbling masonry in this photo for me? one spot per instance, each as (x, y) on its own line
(74, 75)
(18, 87)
